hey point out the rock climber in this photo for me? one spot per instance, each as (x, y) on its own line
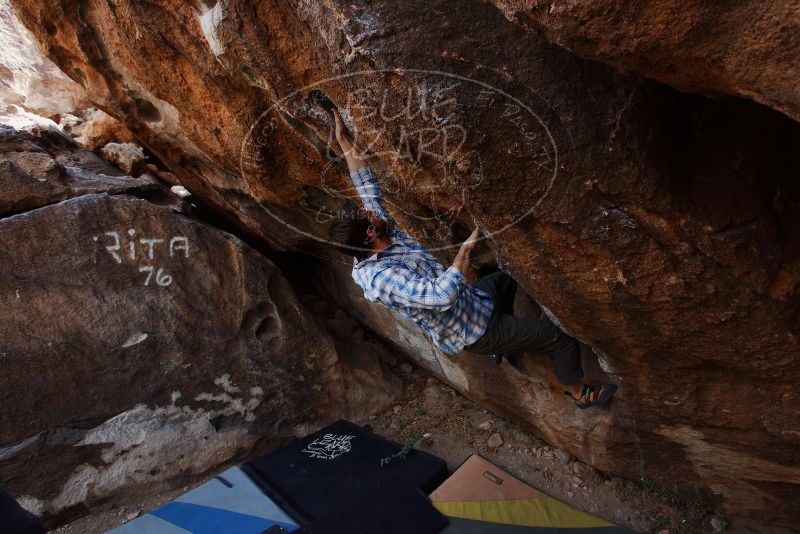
(394, 269)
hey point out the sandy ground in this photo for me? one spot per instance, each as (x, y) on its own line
(457, 428)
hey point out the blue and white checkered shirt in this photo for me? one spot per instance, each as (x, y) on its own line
(411, 281)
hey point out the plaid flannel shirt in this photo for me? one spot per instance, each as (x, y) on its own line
(411, 281)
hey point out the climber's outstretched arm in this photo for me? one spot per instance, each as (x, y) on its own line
(354, 159)
(365, 182)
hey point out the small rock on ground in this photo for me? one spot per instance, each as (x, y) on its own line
(494, 441)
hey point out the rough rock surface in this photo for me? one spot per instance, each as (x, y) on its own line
(29, 79)
(127, 156)
(99, 128)
(747, 48)
(141, 347)
(657, 227)
(31, 177)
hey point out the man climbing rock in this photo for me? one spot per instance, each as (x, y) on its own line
(394, 269)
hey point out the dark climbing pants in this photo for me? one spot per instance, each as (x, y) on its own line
(507, 333)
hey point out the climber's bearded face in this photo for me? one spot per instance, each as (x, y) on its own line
(377, 226)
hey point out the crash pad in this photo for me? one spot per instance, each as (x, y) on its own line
(229, 502)
(481, 498)
(313, 477)
(393, 507)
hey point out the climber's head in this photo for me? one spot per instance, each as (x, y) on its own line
(378, 229)
(358, 233)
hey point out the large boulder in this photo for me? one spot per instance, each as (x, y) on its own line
(747, 48)
(142, 348)
(32, 176)
(655, 226)
(29, 79)
(99, 128)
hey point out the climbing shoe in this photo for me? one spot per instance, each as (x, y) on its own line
(593, 395)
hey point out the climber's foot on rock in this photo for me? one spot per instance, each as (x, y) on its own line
(593, 395)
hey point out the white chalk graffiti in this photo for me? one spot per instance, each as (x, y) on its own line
(145, 249)
(161, 278)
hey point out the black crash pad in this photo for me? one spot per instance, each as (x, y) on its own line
(314, 477)
(393, 507)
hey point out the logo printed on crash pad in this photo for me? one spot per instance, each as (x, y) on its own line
(328, 447)
(494, 478)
